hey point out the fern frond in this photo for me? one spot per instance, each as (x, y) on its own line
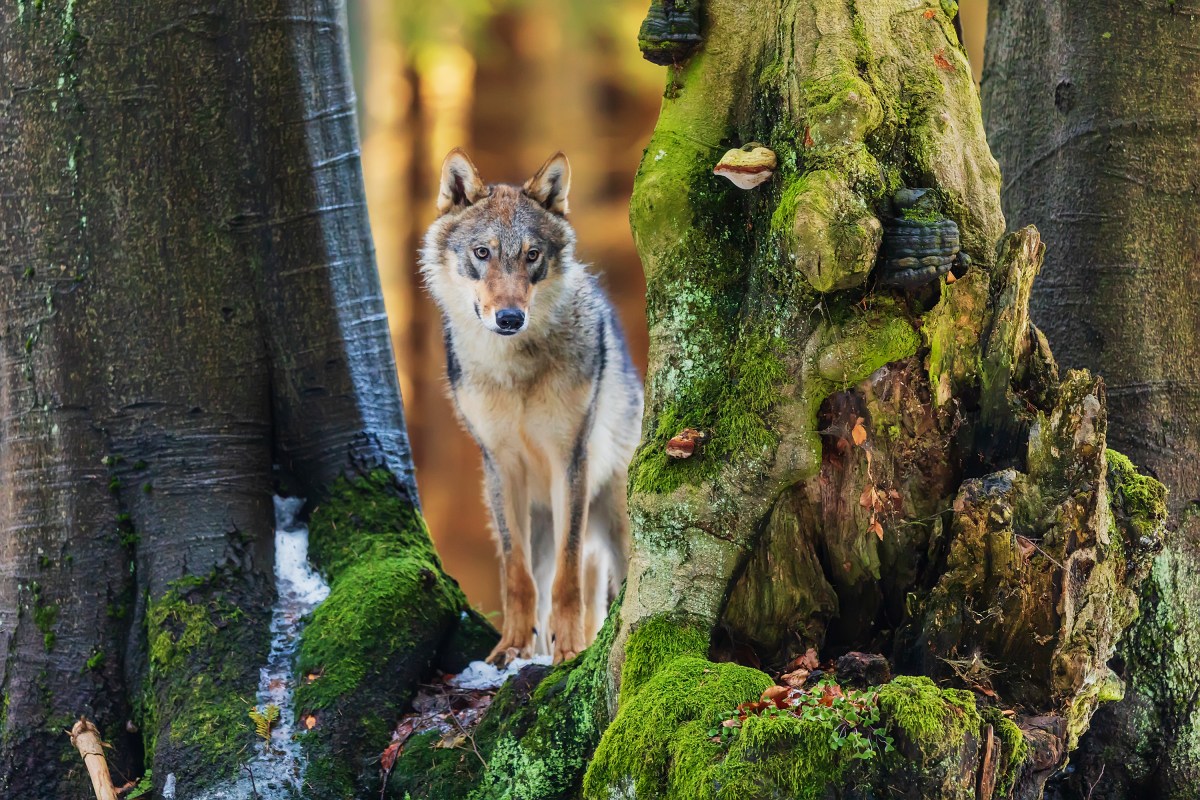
(264, 721)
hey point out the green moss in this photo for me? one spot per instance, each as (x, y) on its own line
(654, 643)
(733, 406)
(376, 609)
(536, 743)
(1013, 750)
(95, 661)
(176, 626)
(1141, 500)
(45, 616)
(951, 331)
(932, 721)
(204, 655)
(652, 726)
(390, 614)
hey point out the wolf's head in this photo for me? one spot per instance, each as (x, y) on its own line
(500, 254)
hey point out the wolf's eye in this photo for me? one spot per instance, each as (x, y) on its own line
(482, 253)
(533, 255)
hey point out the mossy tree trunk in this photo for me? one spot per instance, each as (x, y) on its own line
(188, 297)
(1090, 108)
(897, 473)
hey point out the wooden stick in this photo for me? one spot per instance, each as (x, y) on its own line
(86, 738)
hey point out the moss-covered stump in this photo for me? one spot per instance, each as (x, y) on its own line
(392, 615)
(534, 744)
(207, 637)
(662, 743)
(759, 302)
(901, 473)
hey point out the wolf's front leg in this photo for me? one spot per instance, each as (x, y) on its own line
(570, 501)
(508, 499)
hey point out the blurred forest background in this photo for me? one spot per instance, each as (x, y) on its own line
(511, 81)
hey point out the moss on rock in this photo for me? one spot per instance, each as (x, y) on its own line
(670, 714)
(390, 613)
(536, 738)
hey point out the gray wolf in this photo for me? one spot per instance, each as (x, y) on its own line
(541, 378)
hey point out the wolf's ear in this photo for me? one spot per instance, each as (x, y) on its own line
(461, 184)
(551, 184)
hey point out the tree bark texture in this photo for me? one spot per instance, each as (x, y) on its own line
(1091, 111)
(883, 471)
(188, 296)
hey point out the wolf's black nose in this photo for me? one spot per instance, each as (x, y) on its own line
(510, 320)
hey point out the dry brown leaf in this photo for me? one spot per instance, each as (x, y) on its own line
(387, 759)
(773, 694)
(859, 433)
(929, 13)
(950, 277)
(796, 678)
(309, 721)
(940, 59)
(876, 529)
(868, 497)
(830, 693)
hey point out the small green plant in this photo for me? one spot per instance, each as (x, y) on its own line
(264, 721)
(852, 718)
(143, 788)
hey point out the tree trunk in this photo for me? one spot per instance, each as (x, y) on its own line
(188, 297)
(900, 473)
(1091, 111)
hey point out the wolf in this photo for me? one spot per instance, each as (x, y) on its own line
(541, 378)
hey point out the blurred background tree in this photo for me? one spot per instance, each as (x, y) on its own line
(511, 81)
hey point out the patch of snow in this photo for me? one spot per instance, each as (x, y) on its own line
(278, 771)
(482, 675)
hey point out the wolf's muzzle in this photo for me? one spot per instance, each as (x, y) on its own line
(510, 320)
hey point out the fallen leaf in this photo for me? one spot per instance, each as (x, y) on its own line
(930, 13)
(309, 721)
(950, 277)
(387, 759)
(808, 140)
(773, 694)
(876, 529)
(859, 434)
(796, 678)
(869, 497)
(829, 693)
(940, 59)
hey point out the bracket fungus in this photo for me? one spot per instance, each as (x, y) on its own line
(747, 166)
(685, 443)
(670, 31)
(919, 243)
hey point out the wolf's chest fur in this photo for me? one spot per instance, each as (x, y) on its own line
(538, 399)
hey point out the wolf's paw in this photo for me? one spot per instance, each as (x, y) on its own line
(566, 638)
(508, 651)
